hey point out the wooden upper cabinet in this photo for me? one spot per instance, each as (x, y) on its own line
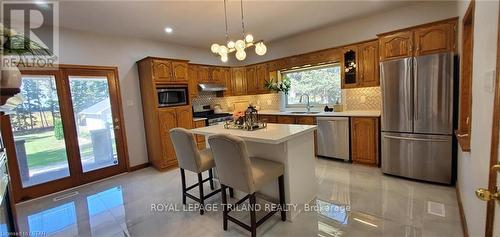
(239, 82)
(262, 76)
(252, 84)
(368, 64)
(203, 74)
(216, 74)
(162, 71)
(226, 77)
(397, 45)
(349, 67)
(168, 120)
(184, 117)
(193, 81)
(365, 140)
(180, 71)
(435, 39)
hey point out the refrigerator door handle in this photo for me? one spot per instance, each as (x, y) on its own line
(410, 107)
(415, 88)
(415, 139)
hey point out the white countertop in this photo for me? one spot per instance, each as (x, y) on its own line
(273, 134)
(352, 113)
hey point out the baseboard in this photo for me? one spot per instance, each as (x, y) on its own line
(462, 213)
(138, 167)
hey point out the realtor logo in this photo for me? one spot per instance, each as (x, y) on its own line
(30, 34)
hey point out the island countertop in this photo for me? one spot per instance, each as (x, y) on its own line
(273, 134)
(348, 113)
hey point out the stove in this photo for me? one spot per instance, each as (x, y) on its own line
(204, 111)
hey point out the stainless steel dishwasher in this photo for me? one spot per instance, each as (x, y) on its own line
(333, 137)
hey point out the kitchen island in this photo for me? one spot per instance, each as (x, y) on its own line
(289, 144)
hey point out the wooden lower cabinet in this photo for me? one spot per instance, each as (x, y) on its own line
(200, 139)
(365, 140)
(306, 120)
(286, 119)
(169, 118)
(268, 118)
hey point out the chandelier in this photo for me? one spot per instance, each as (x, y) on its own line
(240, 45)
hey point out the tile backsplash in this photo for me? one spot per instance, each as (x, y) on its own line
(265, 101)
(368, 98)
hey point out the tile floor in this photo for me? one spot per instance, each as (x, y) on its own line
(355, 201)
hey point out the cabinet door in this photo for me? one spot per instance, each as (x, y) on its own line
(252, 87)
(434, 39)
(180, 71)
(239, 81)
(306, 120)
(203, 74)
(200, 139)
(162, 71)
(397, 45)
(215, 74)
(193, 81)
(368, 63)
(364, 140)
(226, 80)
(168, 120)
(286, 119)
(184, 117)
(349, 67)
(262, 77)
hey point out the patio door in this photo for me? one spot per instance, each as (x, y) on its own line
(66, 133)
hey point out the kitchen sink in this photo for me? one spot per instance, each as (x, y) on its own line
(303, 112)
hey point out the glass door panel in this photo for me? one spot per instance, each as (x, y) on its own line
(38, 132)
(94, 121)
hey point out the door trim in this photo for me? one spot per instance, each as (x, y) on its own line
(23, 194)
(492, 181)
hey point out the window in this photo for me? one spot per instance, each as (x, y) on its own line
(322, 84)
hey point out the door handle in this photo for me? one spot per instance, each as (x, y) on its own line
(486, 195)
(117, 127)
(496, 168)
(415, 139)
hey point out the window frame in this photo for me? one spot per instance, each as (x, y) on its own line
(301, 105)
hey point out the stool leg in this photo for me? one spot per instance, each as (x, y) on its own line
(211, 176)
(224, 206)
(281, 184)
(202, 196)
(183, 181)
(253, 219)
(231, 192)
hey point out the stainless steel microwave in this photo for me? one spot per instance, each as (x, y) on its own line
(172, 96)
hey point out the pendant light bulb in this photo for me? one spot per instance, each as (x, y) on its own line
(223, 58)
(241, 55)
(214, 48)
(222, 50)
(231, 44)
(260, 49)
(240, 45)
(249, 38)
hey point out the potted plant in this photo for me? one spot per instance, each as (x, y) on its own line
(282, 87)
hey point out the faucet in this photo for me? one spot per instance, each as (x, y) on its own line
(308, 106)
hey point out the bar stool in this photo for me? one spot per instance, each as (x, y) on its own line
(237, 170)
(189, 158)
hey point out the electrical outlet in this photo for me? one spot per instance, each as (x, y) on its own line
(489, 81)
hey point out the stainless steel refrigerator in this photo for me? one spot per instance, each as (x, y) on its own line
(417, 117)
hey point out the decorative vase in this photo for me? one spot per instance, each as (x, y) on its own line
(282, 100)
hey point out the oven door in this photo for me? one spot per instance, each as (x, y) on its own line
(172, 96)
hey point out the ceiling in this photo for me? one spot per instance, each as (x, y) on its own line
(201, 23)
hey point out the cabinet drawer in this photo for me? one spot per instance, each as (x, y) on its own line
(286, 119)
(306, 120)
(268, 118)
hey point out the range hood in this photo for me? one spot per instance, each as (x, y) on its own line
(212, 87)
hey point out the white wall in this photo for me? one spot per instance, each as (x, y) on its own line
(358, 30)
(473, 167)
(90, 49)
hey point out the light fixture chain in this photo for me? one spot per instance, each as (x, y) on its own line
(225, 17)
(242, 19)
